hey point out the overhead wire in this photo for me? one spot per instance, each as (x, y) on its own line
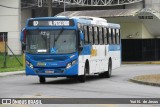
(30, 5)
(8, 7)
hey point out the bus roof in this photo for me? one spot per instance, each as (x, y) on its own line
(82, 19)
(96, 21)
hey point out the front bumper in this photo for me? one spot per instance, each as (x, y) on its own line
(53, 72)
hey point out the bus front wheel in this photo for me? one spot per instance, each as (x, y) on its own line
(82, 78)
(108, 73)
(42, 79)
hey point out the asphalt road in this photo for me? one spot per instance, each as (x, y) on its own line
(118, 86)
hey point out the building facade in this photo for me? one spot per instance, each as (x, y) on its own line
(10, 25)
(140, 23)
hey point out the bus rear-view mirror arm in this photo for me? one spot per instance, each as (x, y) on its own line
(23, 39)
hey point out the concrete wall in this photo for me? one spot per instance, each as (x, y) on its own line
(154, 4)
(10, 23)
(132, 30)
(145, 33)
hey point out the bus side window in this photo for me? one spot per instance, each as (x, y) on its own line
(90, 34)
(105, 36)
(85, 35)
(117, 36)
(113, 36)
(93, 33)
(109, 36)
(95, 36)
(100, 36)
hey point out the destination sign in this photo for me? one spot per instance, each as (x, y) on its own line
(36, 23)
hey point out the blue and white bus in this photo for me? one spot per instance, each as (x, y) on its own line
(71, 47)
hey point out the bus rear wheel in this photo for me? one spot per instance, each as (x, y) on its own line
(42, 79)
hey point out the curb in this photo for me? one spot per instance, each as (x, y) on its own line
(147, 62)
(12, 73)
(144, 82)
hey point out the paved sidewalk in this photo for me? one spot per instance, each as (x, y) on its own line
(11, 73)
(152, 79)
(140, 62)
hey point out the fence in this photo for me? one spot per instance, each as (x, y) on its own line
(6, 60)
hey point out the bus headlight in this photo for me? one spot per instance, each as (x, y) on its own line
(27, 62)
(31, 65)
(69, 65)
(73, 62)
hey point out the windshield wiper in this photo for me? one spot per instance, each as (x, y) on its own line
(55, 39)
(61, 31)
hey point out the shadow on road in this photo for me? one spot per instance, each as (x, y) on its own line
(74, 80)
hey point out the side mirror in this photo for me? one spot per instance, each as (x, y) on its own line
(23, 38)
(23, 46)
(81, 36)
(23, 35)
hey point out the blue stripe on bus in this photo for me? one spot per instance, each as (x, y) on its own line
(86, 50)
(114, 47)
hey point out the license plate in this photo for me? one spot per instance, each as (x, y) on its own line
(49, 72)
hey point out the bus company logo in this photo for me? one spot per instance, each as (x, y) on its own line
(41, 64)
(93, 52)
(6, 101)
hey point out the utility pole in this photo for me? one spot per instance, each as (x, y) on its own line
(49, 8)
(64, 5)
(5, 51)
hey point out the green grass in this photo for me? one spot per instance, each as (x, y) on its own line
(11, 63)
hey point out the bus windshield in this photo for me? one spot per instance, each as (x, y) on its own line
(51, 41)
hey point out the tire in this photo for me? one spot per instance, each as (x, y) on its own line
(108, 73)
(68, 77)
(101, 75)
(42, 79)
(82, 78)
